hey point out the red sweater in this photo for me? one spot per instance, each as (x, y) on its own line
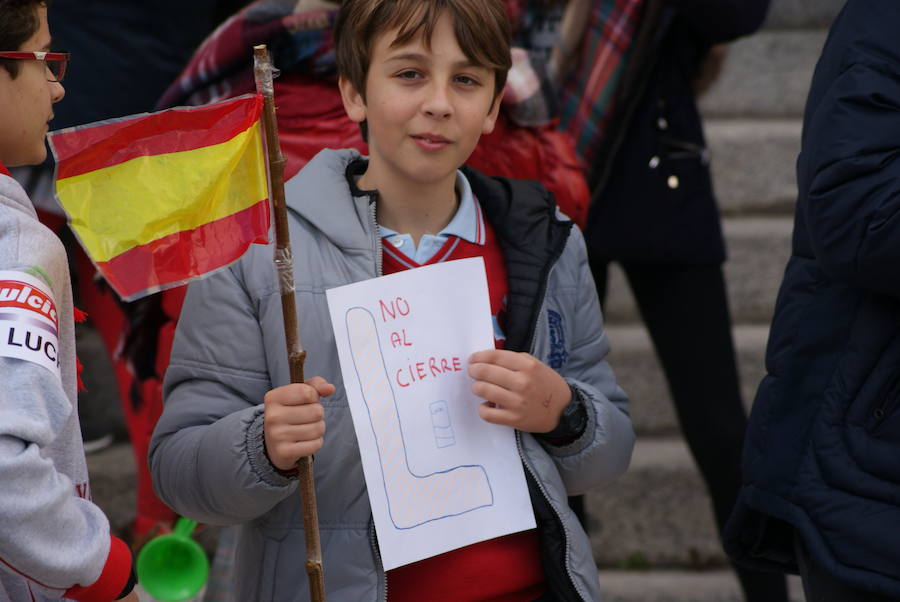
(504, 569)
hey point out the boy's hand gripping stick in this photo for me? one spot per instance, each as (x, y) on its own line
(284, 265)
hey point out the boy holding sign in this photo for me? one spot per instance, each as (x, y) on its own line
(424, 79)
(54, 543)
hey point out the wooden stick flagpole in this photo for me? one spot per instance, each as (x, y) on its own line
(284, 263)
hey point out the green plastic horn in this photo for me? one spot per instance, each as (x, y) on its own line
(173, 567)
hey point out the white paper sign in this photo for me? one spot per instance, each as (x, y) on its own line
(439, 478)
(29, 326)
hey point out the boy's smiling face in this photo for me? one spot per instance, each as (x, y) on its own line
(425, 109)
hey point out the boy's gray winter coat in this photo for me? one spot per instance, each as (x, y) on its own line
(207, 454)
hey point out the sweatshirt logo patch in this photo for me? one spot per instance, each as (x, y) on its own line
(558, 352)
(28, 320)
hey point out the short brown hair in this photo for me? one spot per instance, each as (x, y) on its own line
(482, 30)
(19, 23)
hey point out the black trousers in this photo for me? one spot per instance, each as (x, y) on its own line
(685, 309)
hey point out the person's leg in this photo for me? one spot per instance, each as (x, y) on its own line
(819, 586)
(685, 309)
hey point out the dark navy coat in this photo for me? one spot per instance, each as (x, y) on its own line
(652, 193)
(822, 453)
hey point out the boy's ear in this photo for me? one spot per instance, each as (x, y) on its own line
(491, 119)
(354, 104)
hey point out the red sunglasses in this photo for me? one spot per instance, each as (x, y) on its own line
(56, 62)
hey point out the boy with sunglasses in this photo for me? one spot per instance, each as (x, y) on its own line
(54, 542)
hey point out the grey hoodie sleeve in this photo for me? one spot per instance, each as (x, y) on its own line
(206, 454)
(54, 541)
(51, 532)
(603, 451)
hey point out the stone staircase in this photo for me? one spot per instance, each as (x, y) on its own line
(654, 537)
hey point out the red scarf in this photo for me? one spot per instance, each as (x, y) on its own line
(588, 97)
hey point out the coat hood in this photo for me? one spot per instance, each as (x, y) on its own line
(12, 195)
(346, 228)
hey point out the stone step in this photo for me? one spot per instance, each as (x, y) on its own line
(657, 514)
(678, 586)
(802, 14)
(758, 250)
(639, 373)
(765, 75)
(753, 164)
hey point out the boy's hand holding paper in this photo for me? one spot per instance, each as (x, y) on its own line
(520, 390)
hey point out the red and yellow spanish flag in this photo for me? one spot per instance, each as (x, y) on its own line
(161, 198)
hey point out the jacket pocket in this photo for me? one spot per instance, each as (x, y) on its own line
(882, 413)
(680, 171)
(676, 149)
(856, 436)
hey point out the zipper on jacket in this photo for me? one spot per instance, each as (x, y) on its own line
(885, 410)
(888, 404)
(559, 519)
(378, 272)
(540, 486)
(375, 548)
(378, 246)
